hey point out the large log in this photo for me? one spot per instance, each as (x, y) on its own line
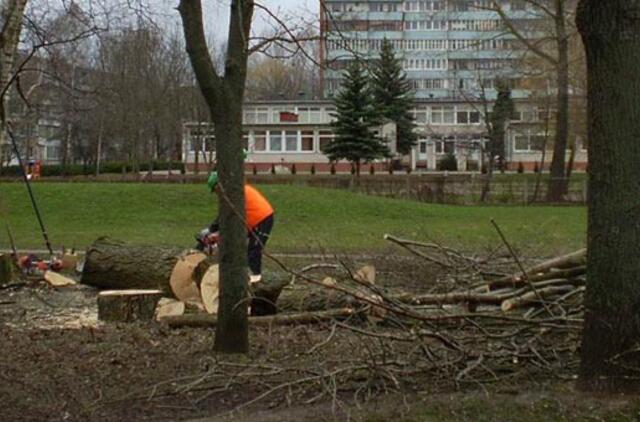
(110, 264)
(114, 265)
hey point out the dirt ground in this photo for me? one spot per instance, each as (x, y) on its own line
(59, 363)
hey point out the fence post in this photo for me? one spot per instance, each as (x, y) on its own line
(526, 192)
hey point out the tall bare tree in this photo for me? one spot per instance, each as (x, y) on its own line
(224, 95)
(11, 13)
(552, 48)
(611, 339)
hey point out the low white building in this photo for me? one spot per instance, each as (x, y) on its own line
(283, 133)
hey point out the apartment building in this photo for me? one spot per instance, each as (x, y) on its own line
(452, 52)
(449, 48)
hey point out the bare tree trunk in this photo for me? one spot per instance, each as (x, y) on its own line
(558, 178)
(11, 19)
(543, 158)
(99, 147)
(486, 187)
(609, 352)
(224, 97)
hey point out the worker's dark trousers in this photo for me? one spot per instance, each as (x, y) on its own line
(257, 239)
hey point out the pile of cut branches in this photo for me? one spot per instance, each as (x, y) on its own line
(504, 329)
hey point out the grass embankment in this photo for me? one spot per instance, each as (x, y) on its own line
(307, 219)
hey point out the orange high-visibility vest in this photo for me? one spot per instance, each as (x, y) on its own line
(256, 206)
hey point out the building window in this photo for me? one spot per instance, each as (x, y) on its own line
(262, 115)
(259, 140)
(525, 142)
(445, 147)
(275, 141)
(291, 138)
(53, 152)
(420, 115)
(326, 137)
(468, 117)
(521, 143)
(307, 140)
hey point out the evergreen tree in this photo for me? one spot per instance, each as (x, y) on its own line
(503, 109)
(356, 119)
(394, 96)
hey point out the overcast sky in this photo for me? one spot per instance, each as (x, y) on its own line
(217, 13)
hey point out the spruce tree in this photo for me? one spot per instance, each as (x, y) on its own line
(356, 120)
(394, 96)
(502, 111)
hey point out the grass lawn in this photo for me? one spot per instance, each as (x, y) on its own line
(307, 219)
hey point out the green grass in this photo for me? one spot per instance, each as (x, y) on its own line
(307, 219)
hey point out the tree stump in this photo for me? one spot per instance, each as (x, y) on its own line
(6, 269)
(128, 305)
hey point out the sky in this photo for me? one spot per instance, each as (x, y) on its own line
(217, 13)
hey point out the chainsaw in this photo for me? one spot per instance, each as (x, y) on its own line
(30, 263)
(207, 241)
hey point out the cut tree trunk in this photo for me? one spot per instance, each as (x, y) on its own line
(179, 273)
(110, 264)
(128, 305)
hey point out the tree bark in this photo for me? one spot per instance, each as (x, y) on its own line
(110, 264)
(611, 34)
(224, 96)
(12, 14)
(558, 178)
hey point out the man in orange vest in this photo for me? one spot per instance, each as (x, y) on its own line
(259, 221)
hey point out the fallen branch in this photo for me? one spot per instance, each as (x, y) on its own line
(206, 320)
(516, 281)
(535, 296)
(571, 263)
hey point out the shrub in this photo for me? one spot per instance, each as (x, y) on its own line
(536, 168)
(353, 169)
(448, 163)
(313, 169)
(293, 168)
(255, 170)
(520, 167)
(273, 169)
(372, 169)
(333, 168)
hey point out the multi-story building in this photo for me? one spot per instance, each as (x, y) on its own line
(452, 52)
(449, 48)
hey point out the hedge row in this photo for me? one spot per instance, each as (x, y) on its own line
(83, 170)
